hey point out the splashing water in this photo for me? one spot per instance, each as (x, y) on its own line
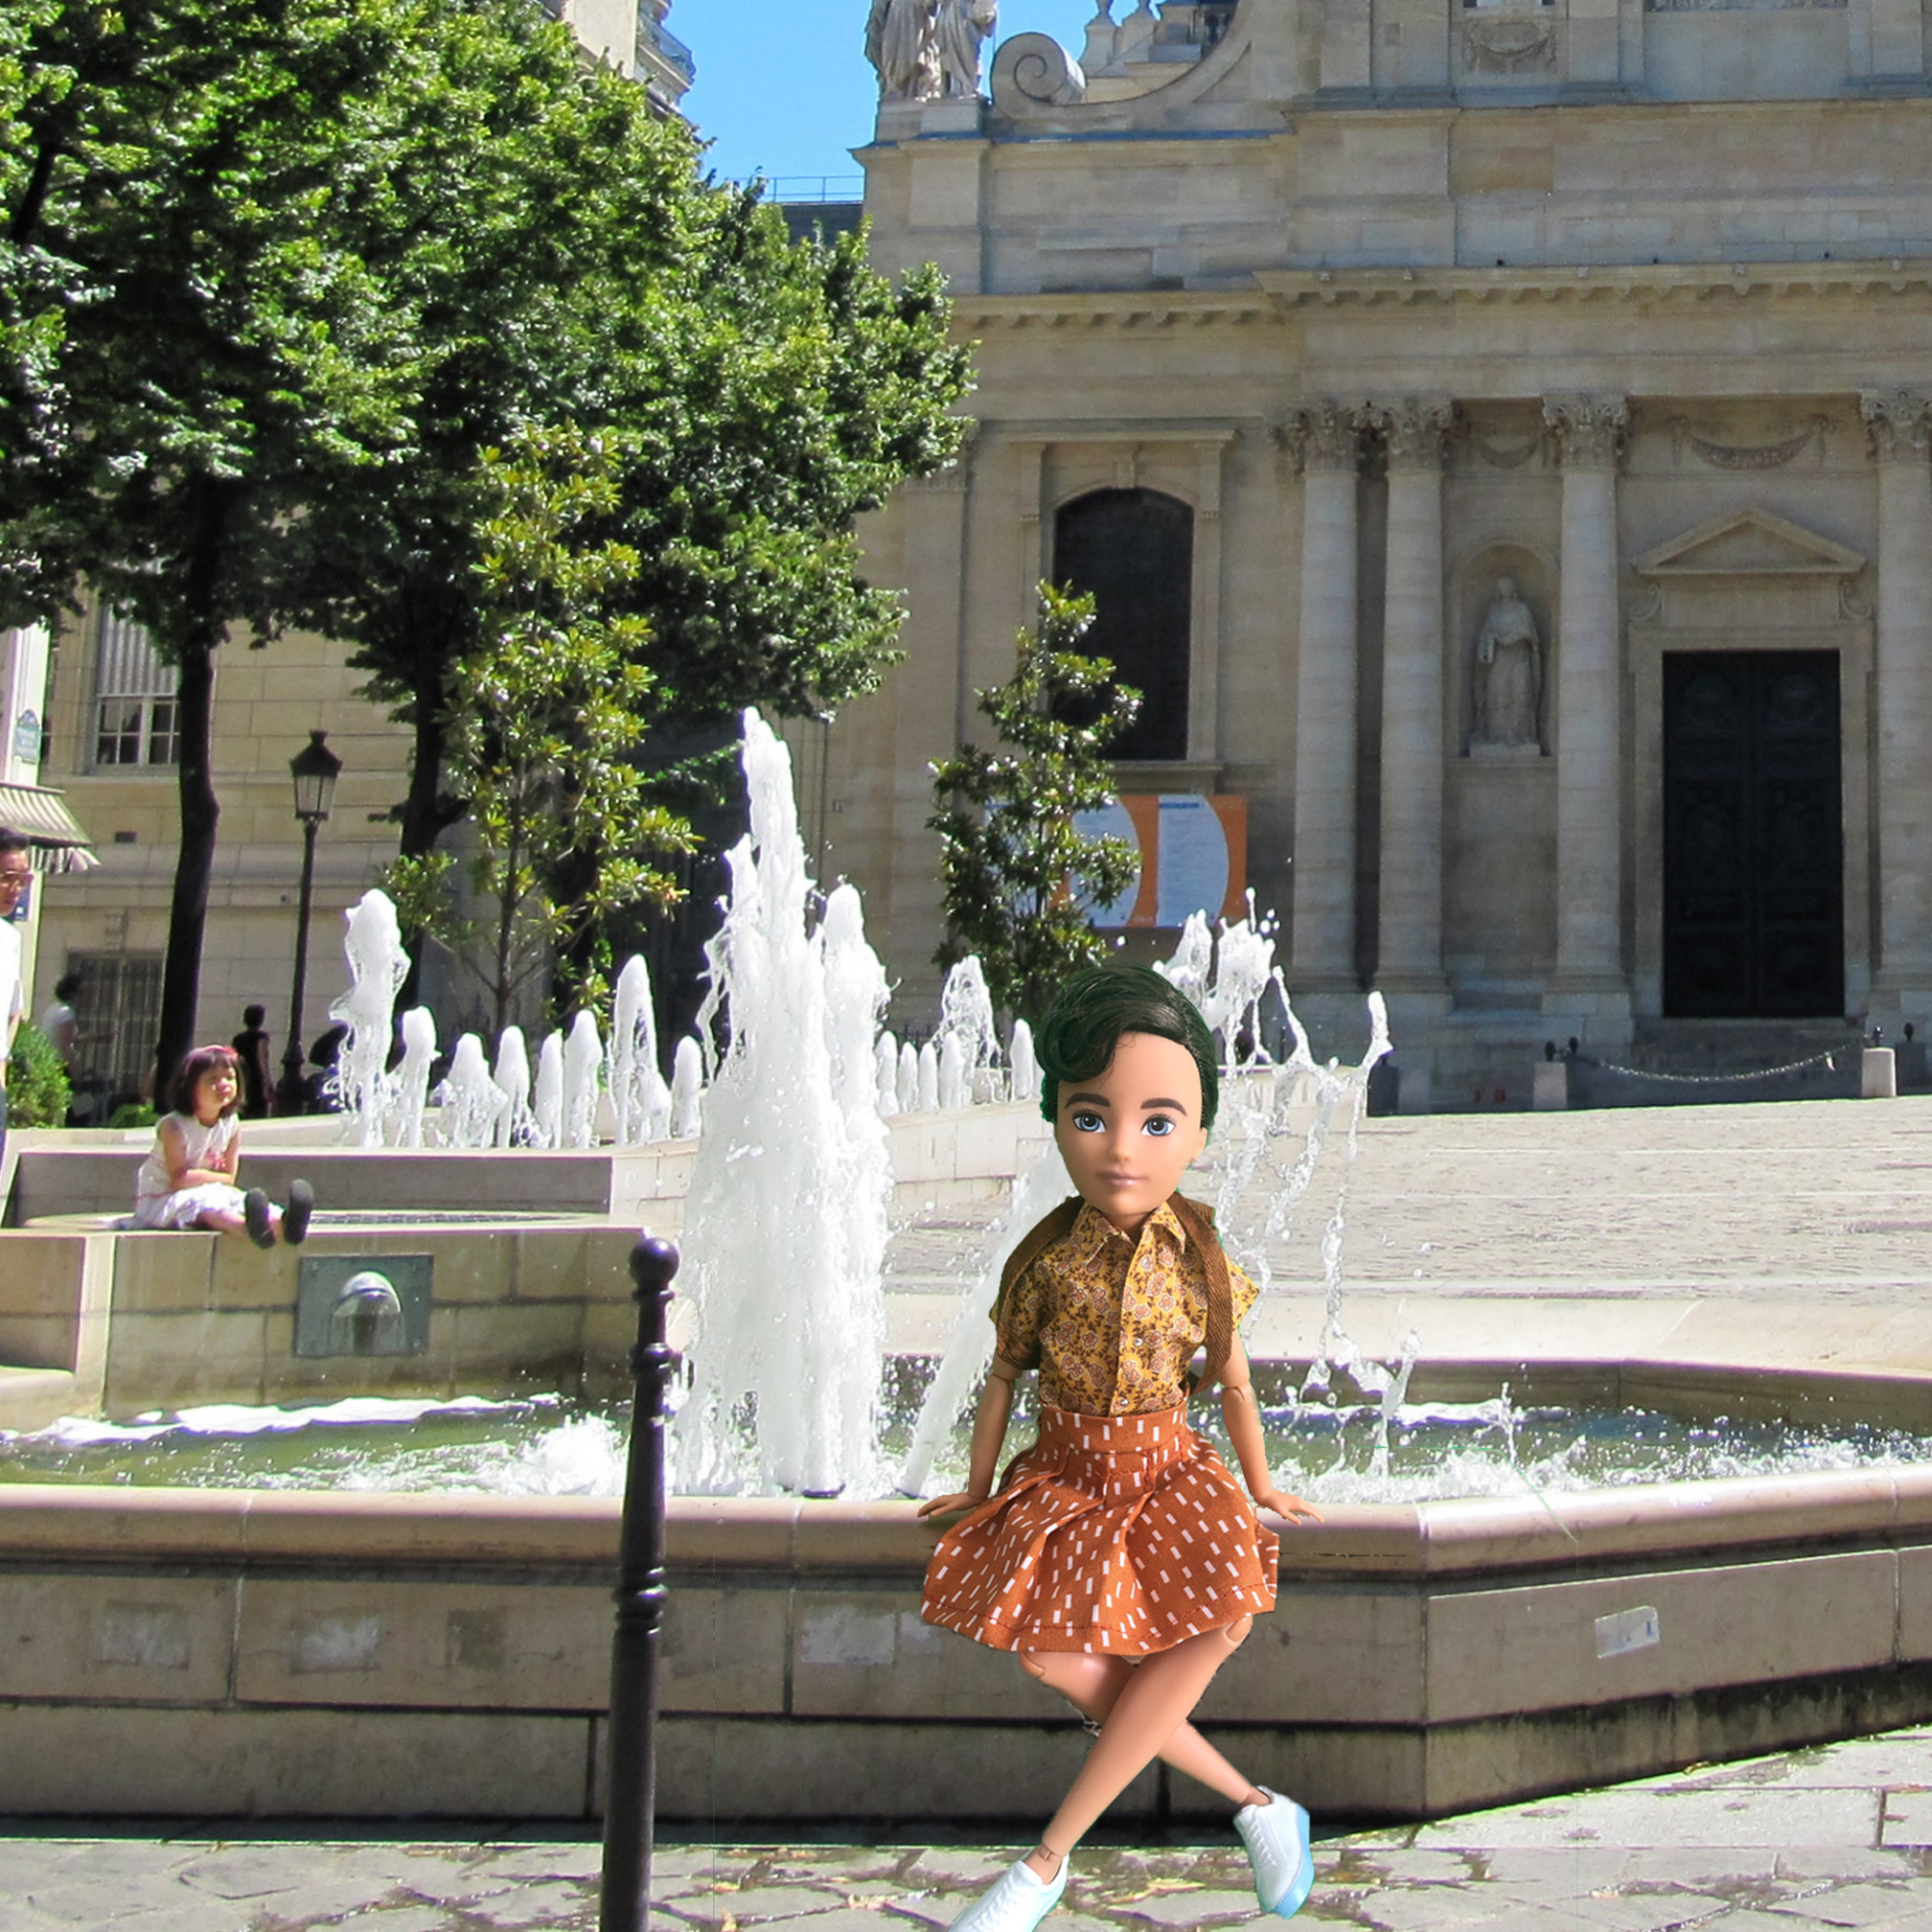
(472, 1101)
(378, 966)
(786, 1218)
(582, 1074)
(639, 1099)
(411, 1085)
(966, 1017)
(511, 1078)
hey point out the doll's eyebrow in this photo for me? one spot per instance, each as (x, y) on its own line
(1101, 1100)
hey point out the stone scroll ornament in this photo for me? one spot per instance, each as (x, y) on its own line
(1033, 71)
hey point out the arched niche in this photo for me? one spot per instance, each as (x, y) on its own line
(1133, 551)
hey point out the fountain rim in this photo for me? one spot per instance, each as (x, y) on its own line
(1444, 1538)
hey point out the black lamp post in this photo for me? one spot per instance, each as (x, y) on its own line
(315, 770)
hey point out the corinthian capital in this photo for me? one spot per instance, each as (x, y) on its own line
(1417, 430)
(1327, 434)
(1899, 423)
(1588, 429)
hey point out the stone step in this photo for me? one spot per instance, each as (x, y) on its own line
(31, 1399)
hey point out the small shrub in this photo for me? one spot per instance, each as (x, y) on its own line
(37, 1081)
(132, 1114)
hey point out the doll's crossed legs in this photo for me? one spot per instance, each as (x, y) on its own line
(1142, 1709)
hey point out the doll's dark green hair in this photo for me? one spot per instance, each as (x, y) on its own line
(1096, 1007)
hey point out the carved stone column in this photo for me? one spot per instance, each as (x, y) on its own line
(1409, 958)
(1326, 437)
(1900, 425)
(1589, 983)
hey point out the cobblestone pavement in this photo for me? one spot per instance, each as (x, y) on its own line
(1806, 1841)
(1825, 1201)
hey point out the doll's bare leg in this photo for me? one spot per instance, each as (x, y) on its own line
(1159, 1694)
(1092, 1684)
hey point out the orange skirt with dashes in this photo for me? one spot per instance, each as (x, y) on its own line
(1122, 1533)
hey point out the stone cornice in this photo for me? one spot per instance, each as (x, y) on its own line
(1126, 308)
(1679, 281)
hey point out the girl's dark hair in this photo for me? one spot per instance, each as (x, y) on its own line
(1096, 1007)
(189, 1074)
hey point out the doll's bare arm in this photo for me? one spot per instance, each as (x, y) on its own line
(989, 1435)
(1242, 1413)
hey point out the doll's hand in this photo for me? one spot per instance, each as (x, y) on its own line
(949, 1506)
(1291, 1509)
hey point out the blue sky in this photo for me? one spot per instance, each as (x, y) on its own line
(783, 88)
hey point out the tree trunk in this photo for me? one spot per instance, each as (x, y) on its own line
(200, 809)
(427, 810)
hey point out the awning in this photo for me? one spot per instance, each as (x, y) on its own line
(57, 842)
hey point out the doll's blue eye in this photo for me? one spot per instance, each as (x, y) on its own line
(1159, 1126)
(1086, 1123)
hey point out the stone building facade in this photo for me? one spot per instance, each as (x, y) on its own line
(1539, 398)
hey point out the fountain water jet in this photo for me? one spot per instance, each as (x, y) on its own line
(786, 1217)
(378, 966)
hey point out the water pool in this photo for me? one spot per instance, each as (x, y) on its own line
(550, 1445)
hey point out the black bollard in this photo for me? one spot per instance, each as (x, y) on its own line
(632, 1786)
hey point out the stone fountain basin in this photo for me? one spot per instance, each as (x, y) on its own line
(278, 1654)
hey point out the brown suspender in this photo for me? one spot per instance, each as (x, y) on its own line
(1196, 1221)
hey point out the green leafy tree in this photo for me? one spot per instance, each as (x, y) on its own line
(752, 394)
(193, 178)
(1019, 874)
(547, 744)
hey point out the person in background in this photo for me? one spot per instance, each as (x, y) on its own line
(15, 871)
(251, 1049)
(59, 1021)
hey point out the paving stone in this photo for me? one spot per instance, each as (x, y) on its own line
(1587, 1867)
(1403, 1867)
(1855, 1904)
(1639, 1819)
(1191, 1907)
(555, 1903)
(403, 1918)
(1434, 1908)
(1824, 1861)
(1908, 1818)
(551, 1861)
(964, 1866)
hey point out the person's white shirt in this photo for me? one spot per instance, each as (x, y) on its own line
(12, 994)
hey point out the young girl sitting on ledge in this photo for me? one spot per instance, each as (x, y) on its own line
(188, 1180)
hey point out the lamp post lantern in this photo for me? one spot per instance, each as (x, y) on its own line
(315, 770)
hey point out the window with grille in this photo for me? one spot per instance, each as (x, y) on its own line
(116, 1013)
(136, 714)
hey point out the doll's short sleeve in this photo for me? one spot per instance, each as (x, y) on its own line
(1018, 1322)
(1242, 1292)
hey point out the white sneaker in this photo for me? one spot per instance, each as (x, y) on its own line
(1276, 1837)
(1016, 1902)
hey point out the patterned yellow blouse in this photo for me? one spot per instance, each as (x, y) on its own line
(1114, 1320)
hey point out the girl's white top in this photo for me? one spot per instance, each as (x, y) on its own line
(203, 1144)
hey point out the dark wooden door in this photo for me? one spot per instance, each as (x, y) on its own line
(1753, 846)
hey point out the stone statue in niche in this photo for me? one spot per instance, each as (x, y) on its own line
(960, 30)
(901, 45)
(1508, 673)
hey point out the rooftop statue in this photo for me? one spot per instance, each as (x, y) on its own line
(901, 43)
(929, 50)
(962, 27)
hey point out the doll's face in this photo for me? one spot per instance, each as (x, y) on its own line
(1129, 1135)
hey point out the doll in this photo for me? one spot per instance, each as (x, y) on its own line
(187, 1180)
(1119, 1558)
